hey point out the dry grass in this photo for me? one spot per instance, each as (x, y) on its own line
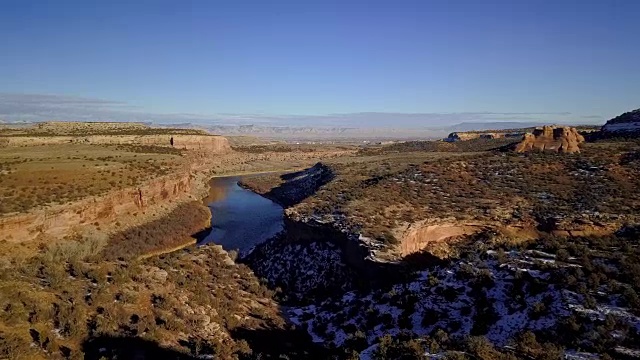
(159, 235)
(189, 301)
(54, 174)
(95, 130)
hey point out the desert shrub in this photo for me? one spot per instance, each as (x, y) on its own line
(186, 220)
(527, 345)
(84, 246)
(482, 349)
(401, 347)
(15, 346)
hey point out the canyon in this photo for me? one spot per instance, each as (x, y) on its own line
(153, 197)
(404, 241)
(359, 262)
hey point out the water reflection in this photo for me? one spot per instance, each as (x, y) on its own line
(240, 219)
(217, 191)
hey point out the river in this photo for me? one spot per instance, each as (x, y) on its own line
(240, 218)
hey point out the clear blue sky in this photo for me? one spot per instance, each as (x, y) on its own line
(323, 57)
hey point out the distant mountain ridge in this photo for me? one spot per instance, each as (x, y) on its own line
(311, 132)
(361, 133)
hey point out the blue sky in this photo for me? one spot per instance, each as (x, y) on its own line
(571, 60)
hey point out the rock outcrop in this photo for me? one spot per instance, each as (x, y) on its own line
(550, 138)
(628, 122)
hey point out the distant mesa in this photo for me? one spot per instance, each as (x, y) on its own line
(70, 126)
(470, 135)
(628, 122)
(551, 138)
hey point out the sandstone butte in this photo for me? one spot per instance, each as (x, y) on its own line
(550, 138)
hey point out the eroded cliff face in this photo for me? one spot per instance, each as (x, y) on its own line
(205, 143)
(420, 236)
(123, 207)
(551, 138)
(436, 236)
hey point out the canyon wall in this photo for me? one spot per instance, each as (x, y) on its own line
(120, 208)
(126, 206)
(435, 236)
(356, 254)
(419, 235)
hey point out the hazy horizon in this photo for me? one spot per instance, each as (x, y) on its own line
(402, 64)
(39, 108)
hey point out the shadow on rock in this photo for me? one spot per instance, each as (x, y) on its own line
(280, 344)
(264, 344)
(300, 185)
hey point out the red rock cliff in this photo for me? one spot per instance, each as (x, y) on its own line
(120, 205)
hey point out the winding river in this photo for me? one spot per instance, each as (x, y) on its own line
(240, 218)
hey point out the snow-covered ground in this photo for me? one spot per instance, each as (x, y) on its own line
(305, 271)
(627, 126)
(498, 300)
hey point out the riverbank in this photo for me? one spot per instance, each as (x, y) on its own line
(187, 243)
(241, 219)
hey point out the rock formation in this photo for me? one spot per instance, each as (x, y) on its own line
(628, 122)
(550, 138)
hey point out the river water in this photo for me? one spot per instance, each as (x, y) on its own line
(240, 219)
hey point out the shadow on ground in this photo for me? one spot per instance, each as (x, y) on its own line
(274, 344)
(125, 348)
(264, 343)
(299, 185)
